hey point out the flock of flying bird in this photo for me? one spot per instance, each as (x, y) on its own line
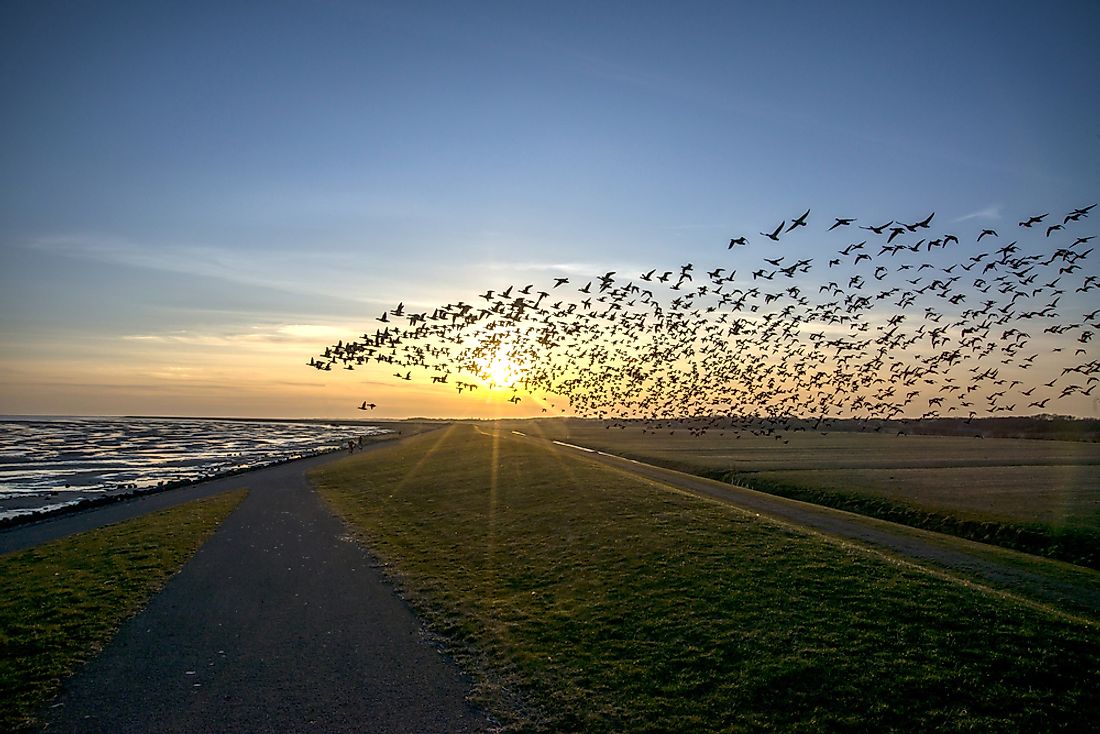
(902, 322)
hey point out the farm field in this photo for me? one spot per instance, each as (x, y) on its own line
(1034, 495)
(586, 599)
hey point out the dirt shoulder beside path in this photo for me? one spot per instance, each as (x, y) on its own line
(1058, 587)
(279, 623)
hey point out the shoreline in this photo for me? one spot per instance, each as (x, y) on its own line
(122, 494)
(57, 465)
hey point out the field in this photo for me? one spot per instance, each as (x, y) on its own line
(64, 600)
(586, 599)
(1035, 495)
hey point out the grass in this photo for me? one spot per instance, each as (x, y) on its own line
(588, 600)
(1038, 496)
(909, 497)
(64, 600)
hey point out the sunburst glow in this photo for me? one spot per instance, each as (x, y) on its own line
(501, 371)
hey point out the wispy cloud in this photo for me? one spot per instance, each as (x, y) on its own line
(335, 282)
(542, 267)
(991, 213)
(313, 273)
(680, 227)
(298, 336)
(576, 270)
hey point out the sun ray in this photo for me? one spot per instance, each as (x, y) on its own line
(414, 471)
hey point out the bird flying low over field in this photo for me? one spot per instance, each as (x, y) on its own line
(907, 324)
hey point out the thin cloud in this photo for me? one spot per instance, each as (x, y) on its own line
(991, 213)
(303, 336)
(541, 267)
(573, 270)
(281, 271)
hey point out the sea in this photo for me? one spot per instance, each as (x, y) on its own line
(51, 462)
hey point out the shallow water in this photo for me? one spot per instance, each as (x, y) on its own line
(52, 461)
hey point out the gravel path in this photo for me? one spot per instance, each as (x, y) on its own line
(279, 624)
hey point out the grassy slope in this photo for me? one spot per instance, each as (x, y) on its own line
(1040, 497)
(64, 600)
(591, 601)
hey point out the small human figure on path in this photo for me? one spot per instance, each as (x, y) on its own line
(351, 445)
(360, 443)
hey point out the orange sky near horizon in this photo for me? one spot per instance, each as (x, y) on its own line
(226, 382)
(264, 374)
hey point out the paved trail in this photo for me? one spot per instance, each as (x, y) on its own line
(278, 624)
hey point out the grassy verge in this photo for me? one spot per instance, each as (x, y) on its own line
(64, 600)
(1038, 497)
(589, 600)
(1076, 545)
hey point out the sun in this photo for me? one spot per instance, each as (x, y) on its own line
(501, 370)
(500, 366)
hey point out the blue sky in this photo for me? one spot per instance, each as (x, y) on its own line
(214, 190)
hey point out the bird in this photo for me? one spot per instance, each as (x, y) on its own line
(854, 246)
(800, 222)
(923, 224)
(1033, 220)
(774, 236)
(978, 325)
(1077, 214)
(878, 230)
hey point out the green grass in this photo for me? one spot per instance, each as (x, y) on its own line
(588, 600)
(983, 507)
(64, 600)
(1038, 496)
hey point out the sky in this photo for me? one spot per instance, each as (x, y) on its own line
(195, 198)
